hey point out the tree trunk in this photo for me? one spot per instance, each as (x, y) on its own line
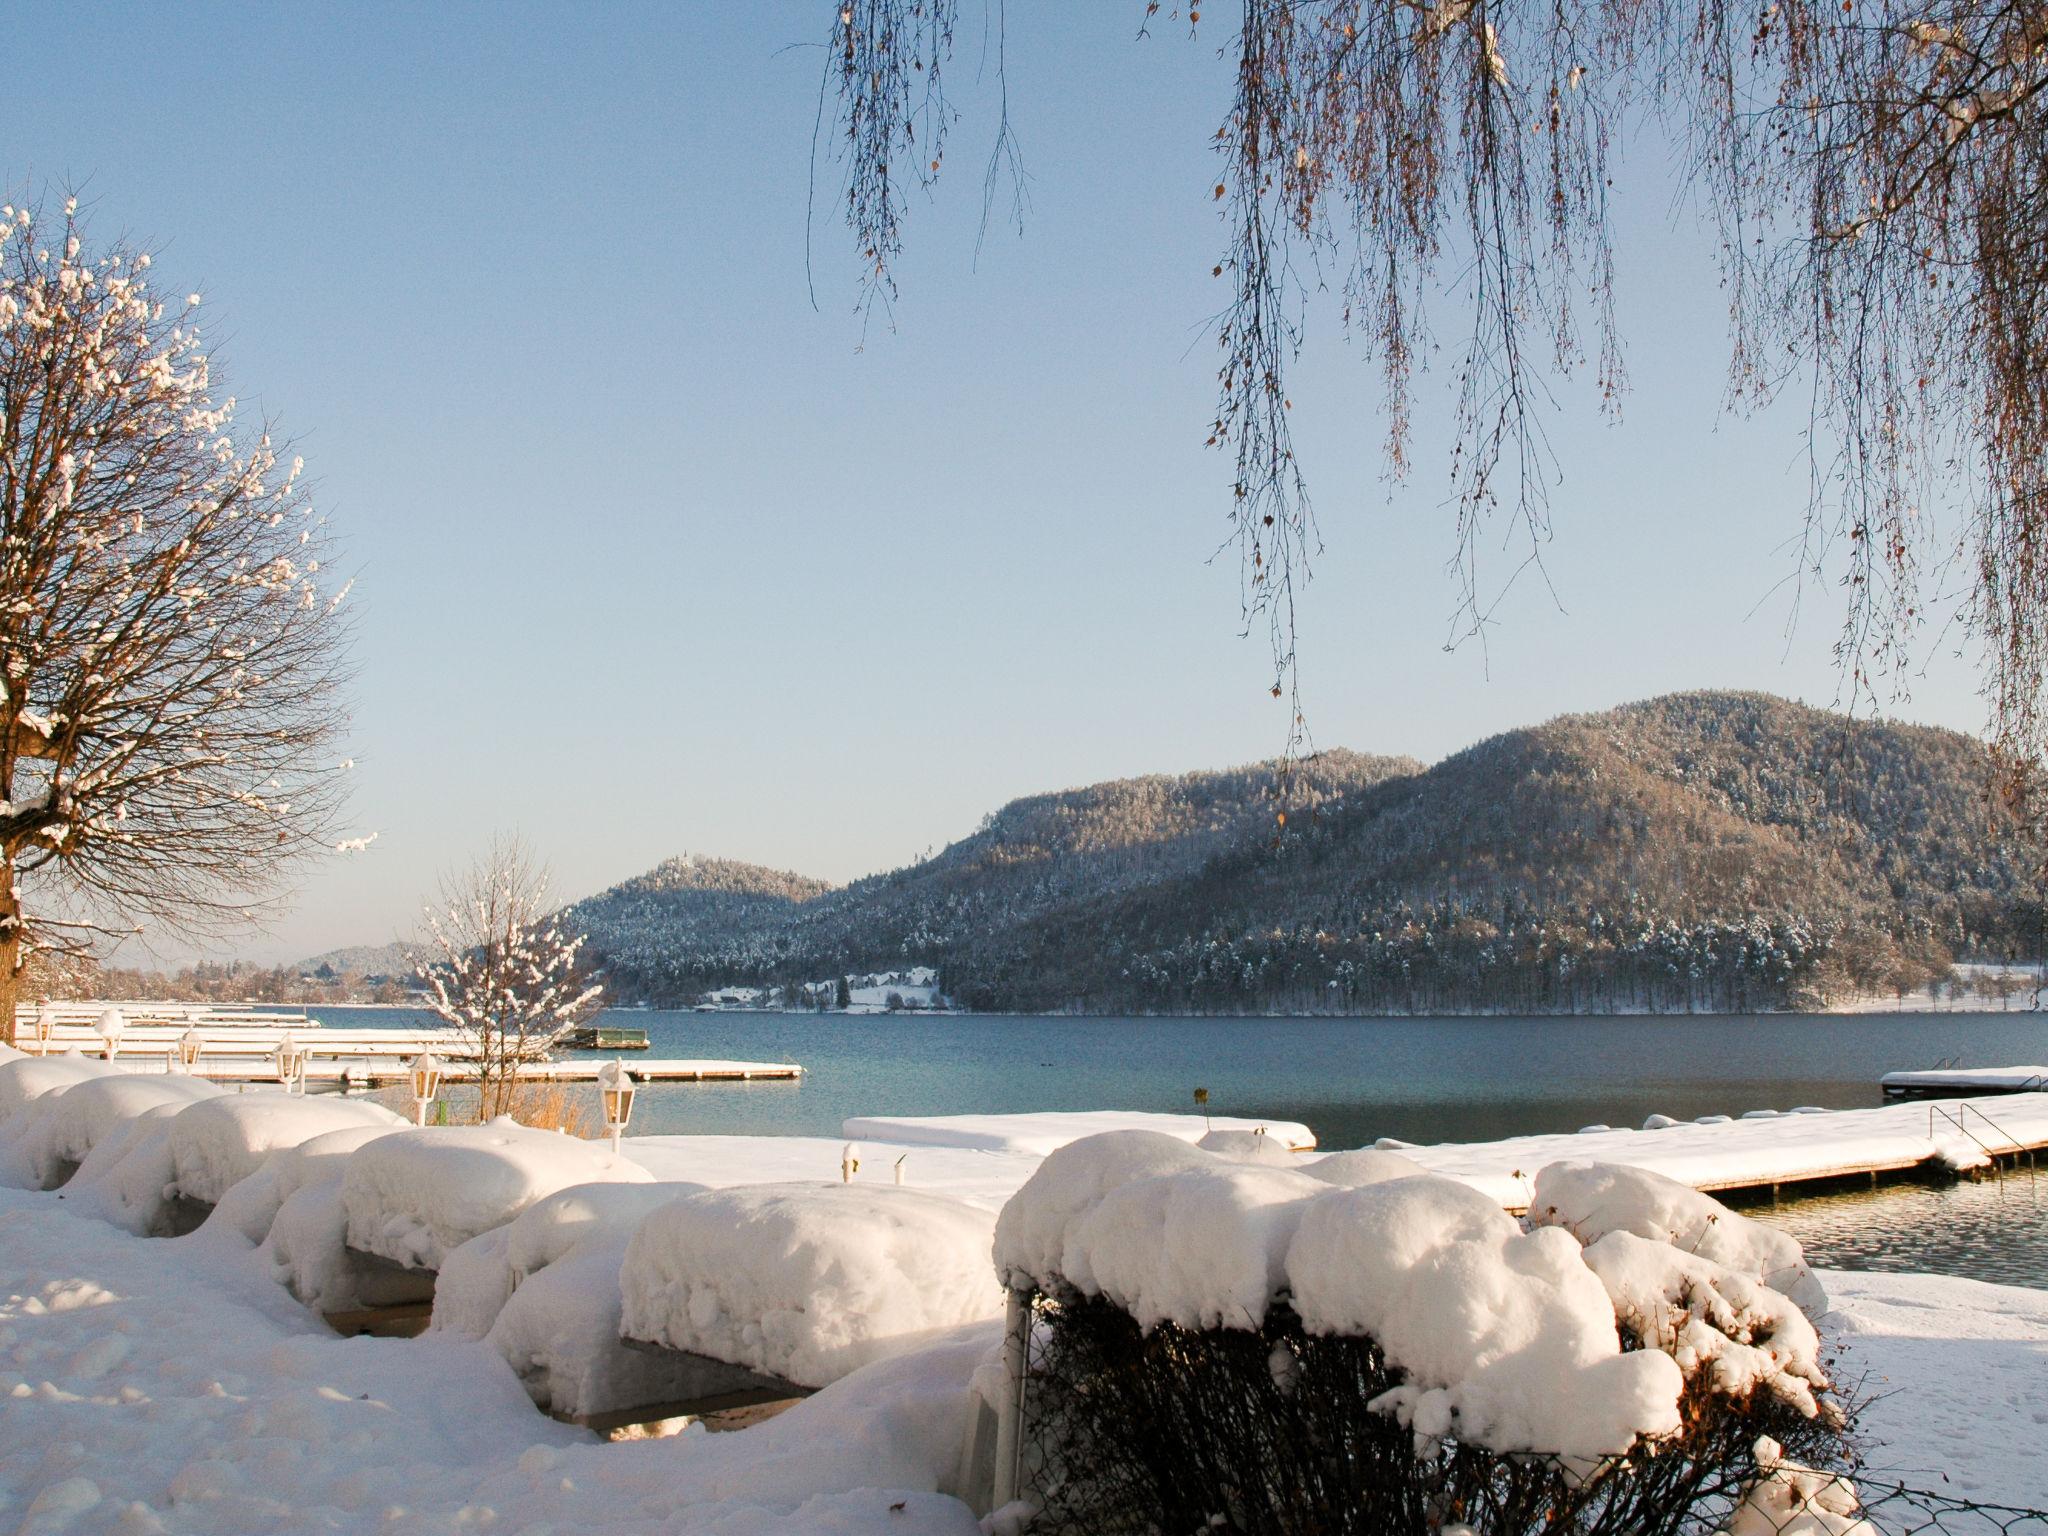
(10, 951)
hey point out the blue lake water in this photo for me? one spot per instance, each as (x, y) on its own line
(1352, 1080)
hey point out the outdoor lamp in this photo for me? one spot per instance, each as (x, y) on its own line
(615, 1088)
(190, 1044)
(291, 1064)
(849, 1162)
(46, 1026)
(426, 1083)
(111, 1026)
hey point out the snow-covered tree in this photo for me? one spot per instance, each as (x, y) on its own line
(505, 975)
(170, 651)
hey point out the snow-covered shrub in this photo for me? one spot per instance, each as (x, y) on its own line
(1220, 1345)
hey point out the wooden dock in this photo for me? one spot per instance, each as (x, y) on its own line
(1948, 1082)
(240, 1045)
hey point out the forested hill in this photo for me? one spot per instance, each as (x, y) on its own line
(1698, 850)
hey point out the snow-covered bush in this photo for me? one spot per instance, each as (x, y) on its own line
(1225, 1345)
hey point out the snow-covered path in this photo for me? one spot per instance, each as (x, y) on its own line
(153, 1386)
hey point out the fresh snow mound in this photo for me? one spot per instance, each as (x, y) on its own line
(477, 1279)
(416, 1196)
(251, 1205)
(1507, 1338)
(1250, 1147)
(1789, 1498)
(221, 1141)
(807, 1282)
(1710, 1318)
(1045, 1133)
(560, 1334)
(1031, 1232)
(61, 1129)
(1355, 1170)
(26, 1078)
(1593, 1199)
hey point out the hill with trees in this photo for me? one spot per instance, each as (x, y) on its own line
(1695, 851)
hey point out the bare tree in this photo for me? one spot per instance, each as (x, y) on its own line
(506, 977)
(169, 652)
(1877, 169)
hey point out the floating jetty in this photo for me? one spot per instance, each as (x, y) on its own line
(240, 1045)
(1947, 1082)
(1767, 1151)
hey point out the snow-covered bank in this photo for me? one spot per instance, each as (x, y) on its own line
(1954, 1376)
(169, 1386)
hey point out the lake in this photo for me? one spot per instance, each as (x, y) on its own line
(1353, 1080)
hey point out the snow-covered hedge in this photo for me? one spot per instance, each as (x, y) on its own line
(1227, 1339)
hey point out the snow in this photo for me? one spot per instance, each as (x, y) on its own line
(982, 1178)
(218, 1143)
(560, 1334)
(1041, 1134)
(808, 1282)
(1719, 1153)
(51, 1136)
(1593, 1199)
(1789, 1498)
(170, 1387)
(1168, 1232)
(415, 1196)
(1507, 1338)
(1710, 1318)
(249, 1207)
(478, 1278)
(23, 1078)
(1369, 1165)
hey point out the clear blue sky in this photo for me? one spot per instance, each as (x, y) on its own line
(654, 556)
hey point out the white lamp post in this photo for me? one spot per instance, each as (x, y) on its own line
(190, 1046)
(615, 1088)
(426, 1083)
(291, 1064)
(849, 1162)
(46, 1026)
(111, 1026)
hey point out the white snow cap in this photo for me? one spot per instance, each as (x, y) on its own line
(416, 1196)
(1593, 1199)
(58, 1130)
(1355, 1170)
(1790, 1499)
(807, 1282)
(478, 1278)
(1506, 1337)
(221, 1141)
(25, 1078)
(1711, 1319)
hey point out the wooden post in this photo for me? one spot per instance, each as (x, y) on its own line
(1010, 1415)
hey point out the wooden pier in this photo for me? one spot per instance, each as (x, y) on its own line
(240, 1045)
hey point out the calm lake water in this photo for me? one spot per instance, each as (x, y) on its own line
(1352, 1080)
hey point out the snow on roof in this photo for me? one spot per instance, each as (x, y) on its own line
(1047, 1132)
(808, 1282)
(416, 1196)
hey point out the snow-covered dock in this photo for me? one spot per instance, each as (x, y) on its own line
(1946, 1082)
(1765, 1150)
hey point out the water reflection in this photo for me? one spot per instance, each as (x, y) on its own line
(1992, 1229)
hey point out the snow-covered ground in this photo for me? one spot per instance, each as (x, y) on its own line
(153, 1386)
(176, 1384)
